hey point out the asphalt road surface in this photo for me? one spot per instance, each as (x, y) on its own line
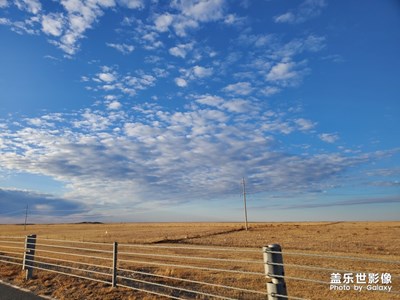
(9, 293)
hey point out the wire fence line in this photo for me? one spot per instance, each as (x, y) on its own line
(192, 257)
(177, 288)
(192, 267)
(338, 257)
(14, 257)
(178, 272)
(232, 249)
(154, 269)
(197, 282)
(74, 248)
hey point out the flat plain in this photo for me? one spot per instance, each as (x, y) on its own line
(371, 240)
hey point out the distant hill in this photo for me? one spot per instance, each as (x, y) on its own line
(90, 223)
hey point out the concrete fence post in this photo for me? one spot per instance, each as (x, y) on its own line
(29, 255)
(273, 262)
(115, 262)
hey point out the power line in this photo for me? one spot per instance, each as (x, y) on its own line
(245, 205)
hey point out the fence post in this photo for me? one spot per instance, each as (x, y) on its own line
(115, 262)
(29, 255)
(273, 261)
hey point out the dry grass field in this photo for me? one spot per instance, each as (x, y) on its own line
(377, 240)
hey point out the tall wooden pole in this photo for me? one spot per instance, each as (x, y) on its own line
(26, 217)
(245, 205)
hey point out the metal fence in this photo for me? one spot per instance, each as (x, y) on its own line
(170, 271)
(196, 272)
(340, 275)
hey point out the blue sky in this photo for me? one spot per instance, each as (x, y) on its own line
(133, 110)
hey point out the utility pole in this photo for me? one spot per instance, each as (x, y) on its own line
(244, 201)
(26, 217)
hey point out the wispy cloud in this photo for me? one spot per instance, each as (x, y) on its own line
(198, 152)
(67, 27)
(132, 4)
(110, 83)
(181, 50)
(307, 10)
(123, 48)
(3, 3)
(205, 11)
(350, 202)
(279, 62)
(287, 73)
(189, 15)
(240, 88)
(329, 137)
(32, 6)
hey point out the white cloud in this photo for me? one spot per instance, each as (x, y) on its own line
(80, 17)
(328, 137)
(162, 22)
(256, 40)
(132, 4)
(201, 10)
(270, 90)
(279, 126)
(237, 106)
(210, 100)
(285, 18)
(181, 50)
(3, 3)
(240, 88)
(201, 72)
(314, 43)
(69, 27)
(27, 26)
(232, 105)
(114, 105)
(123, 48)
(141, 82)
(282, 71)
(190, 15)
(110, 97)
(53, 24)
(307, 10)
(233, 19)
(32, 6)
(182, 24)
(147, 80)
(287, 73)
(181, 82)
(110, 83)
(107, 77)
(304, 124)
(4, 21)
(178, 52)
(164, 155)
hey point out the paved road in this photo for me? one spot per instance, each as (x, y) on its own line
(9, 293)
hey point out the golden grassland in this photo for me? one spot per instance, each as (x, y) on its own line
(360, 239)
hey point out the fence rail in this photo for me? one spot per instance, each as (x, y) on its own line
(188, 272)
(15, 256)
